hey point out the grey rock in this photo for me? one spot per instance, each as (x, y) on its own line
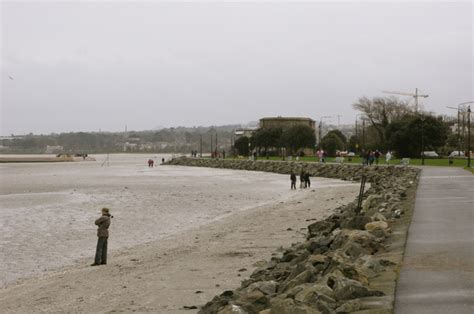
(350, 306)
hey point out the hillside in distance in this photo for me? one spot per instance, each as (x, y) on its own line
(163, 140)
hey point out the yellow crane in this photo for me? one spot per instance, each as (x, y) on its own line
(415, 95)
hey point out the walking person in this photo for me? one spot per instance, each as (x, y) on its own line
(388, 157)
(377, 156)
(293, 180)
(371, 157)
(103, 224)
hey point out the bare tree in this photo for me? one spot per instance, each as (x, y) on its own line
(381, 111)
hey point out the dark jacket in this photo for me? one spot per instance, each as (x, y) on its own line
(293, 177)
(103, 224)
(306, 177)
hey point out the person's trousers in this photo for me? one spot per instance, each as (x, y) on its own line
(293, 185)
(101, 251)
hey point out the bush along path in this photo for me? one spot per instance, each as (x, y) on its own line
(349, 262)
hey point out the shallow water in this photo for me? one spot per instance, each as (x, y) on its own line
(47, 210)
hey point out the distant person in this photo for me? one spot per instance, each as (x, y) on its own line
(103, 224)
(223, 154)
(307, 181)
(293, 180)
(162, 160)
(377, 156)
(321, 155)
(388, 157)
(302, 180)
(151, 163)
(371, 157)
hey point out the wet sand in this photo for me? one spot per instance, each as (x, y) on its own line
(180, 235)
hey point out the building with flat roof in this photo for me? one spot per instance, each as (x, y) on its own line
(286, 122)
(247, 132)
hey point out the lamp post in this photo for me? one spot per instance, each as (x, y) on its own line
(458, 109)
(422, 139)
(469, 136)
(212, 155)
(200, 146)
(357, 129)
(320, 131)
(468, 127)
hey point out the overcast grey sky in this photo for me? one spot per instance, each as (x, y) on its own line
(83, 66)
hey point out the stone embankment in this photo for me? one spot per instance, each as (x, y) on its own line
(349, 262)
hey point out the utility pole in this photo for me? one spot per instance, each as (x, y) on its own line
(423, 140)
(363, 134)
(216, 144)
(469, 136)
(357, 133)
(356, 128)
(211, 146)
(463, 131)
(338, 119)
(468, 111)
(200, 146)
(320, 130)
(458, 139)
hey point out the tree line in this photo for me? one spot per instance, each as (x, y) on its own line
(384, 124)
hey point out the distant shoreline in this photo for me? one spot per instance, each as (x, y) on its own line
(41, 158)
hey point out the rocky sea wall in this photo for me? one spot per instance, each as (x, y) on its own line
(349, 262)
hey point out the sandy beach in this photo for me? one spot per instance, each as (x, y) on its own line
(180, 235)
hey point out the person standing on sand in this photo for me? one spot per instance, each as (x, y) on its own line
(103, 224)
(307, 181)
(302, 179)
(293, 181)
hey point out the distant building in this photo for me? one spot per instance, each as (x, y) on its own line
(247, 132)
(286, 122)
(54, 149)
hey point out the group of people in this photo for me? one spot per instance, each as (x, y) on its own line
(151, 162)
(321, 154)
(370, 157)
(305, 181)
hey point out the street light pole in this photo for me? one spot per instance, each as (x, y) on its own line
(468, 128)
(469, 137)
(363, 134)
(200, 146)
(320, 129)
(459, 134)
(422, 140)
(211, 147)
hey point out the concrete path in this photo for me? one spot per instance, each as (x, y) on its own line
(437, 275)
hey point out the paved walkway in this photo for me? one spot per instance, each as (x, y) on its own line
(437, 275)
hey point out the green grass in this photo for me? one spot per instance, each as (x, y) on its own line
(438, 162)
